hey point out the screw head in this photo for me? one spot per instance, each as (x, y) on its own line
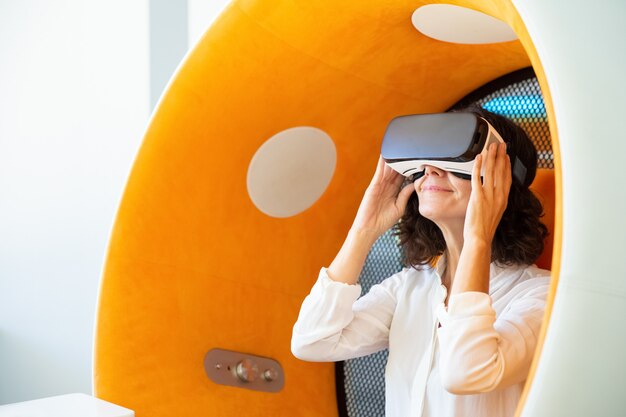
(246, 370)
(270, 374)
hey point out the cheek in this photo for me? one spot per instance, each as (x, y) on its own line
(464, 191)
(463, 201)
(462, 186)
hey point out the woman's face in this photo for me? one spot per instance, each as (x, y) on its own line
(442, 196)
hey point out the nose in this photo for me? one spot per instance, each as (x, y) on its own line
(431, 170)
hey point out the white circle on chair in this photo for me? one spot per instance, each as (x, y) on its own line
(291, 171)
(449, 23)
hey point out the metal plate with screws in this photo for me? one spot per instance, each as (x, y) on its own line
(244, 370)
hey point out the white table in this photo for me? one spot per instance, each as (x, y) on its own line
(70, 405)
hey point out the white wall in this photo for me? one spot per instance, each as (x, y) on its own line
(201, 14)
(74, 103)
(78, 79)
(168, 42)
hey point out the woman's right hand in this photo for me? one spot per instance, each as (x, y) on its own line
(383, 203)
(382, 206)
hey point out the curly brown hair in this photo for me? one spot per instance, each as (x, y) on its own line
(519, 238)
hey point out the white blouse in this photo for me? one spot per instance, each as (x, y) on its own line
(475, 364)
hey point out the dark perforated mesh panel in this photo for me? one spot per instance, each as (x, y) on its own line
(364, 378)
(522, 102)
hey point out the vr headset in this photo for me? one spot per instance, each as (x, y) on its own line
(449, 141)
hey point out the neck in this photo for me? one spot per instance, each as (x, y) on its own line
(454, 245)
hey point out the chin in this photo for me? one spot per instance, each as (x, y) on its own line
(429, 212)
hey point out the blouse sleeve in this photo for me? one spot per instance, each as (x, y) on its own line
(335, 324)
(481, 353)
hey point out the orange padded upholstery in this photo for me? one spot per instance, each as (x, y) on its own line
(543, 187)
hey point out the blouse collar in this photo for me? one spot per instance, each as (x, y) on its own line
(495, 270)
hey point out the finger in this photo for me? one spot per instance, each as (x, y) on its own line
(488, 177)
(500, 168)
(388, 173)
(508, 176)
(391, 177)
(380, 170)
(476, 183)
(403, 197)
(394, 182)
(503, 178)
(399, 180)
(387, 180)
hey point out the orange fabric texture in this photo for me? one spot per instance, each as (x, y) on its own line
(192, 264)
(543, 187)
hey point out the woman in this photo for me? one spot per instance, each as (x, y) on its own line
(462, 321)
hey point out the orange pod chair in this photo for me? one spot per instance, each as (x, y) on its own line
(193, 264)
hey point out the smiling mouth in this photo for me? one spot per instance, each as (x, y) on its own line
(435, 188)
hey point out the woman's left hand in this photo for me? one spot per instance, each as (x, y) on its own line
(488, 199)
